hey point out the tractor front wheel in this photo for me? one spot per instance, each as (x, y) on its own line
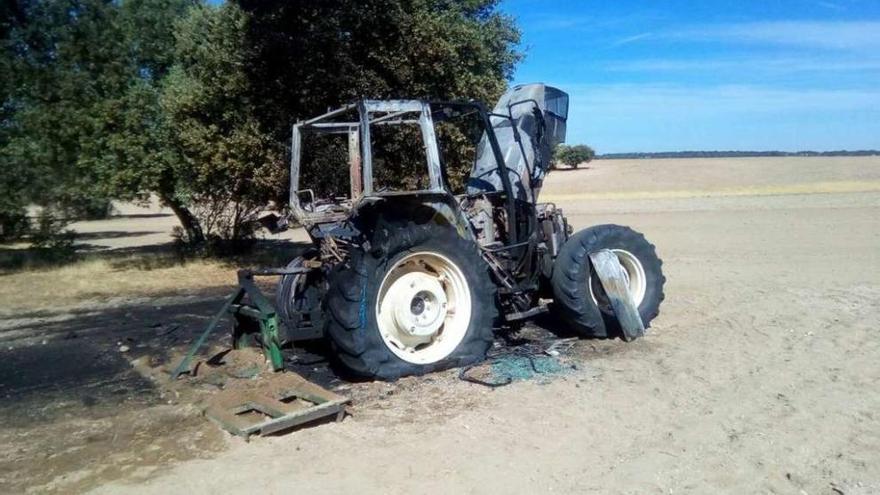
(578, 295)
(420, 300)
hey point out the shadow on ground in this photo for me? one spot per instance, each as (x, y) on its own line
(113, 234)
(73, 357)
(139, 215)
(62, 363)
(263, 252)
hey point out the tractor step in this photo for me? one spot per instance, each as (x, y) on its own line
(282, 402)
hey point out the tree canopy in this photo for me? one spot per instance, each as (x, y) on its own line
(192, 102)
(573, 156)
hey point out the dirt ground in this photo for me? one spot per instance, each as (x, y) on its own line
(761, 374)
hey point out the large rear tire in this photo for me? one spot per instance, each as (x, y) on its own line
(420, 300)
(578, 296)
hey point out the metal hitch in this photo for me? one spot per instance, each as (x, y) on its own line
(254, 321)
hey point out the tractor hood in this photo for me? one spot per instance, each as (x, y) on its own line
(528, 120)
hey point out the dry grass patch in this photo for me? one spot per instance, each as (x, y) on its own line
(103, 279)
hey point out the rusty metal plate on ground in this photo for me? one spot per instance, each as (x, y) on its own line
(280, 403)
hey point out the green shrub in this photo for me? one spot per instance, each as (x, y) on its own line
(573, 156)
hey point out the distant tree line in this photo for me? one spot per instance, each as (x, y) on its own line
(734, 154)
(191, 102)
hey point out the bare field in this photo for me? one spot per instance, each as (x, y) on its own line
(761, 375)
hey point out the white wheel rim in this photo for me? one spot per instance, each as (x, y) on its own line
(423, 308)
(635, 275)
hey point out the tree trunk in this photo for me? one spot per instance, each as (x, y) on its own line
(188, 221)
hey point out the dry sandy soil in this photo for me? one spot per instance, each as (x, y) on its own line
(761, 375)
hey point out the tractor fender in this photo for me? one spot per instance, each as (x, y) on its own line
(418, 207)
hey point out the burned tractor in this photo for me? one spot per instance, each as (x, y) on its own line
(412, 279)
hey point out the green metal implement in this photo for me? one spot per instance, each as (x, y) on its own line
(255, 321)
(271, 406)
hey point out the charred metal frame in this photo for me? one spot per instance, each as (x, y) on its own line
(361, 158)
(370, 113)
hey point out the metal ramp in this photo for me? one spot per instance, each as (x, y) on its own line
(285, 401)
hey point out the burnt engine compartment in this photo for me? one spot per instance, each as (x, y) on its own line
(524, 265)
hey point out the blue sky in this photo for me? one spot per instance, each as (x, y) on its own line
(711, 74)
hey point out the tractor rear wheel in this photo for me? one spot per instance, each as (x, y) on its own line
(578, 295)
(420, 300)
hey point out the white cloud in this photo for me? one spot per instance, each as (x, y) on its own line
(840, 35)
(567, 21)
(552, 22)
(831, 5)
(658, 98)
(760, 64)
(631, 39)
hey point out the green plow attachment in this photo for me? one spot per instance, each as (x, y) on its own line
(255, 321)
